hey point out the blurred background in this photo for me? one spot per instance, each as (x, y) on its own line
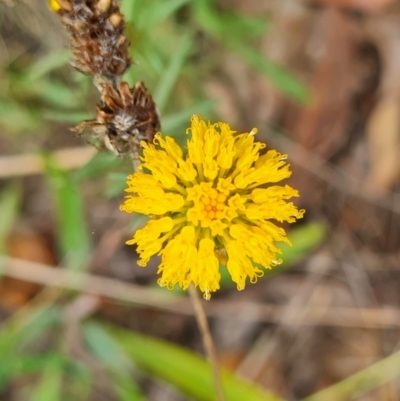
(79, 320)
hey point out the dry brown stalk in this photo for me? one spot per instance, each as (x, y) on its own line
(208, 342)
(30, 164)
(125, 116)
(312, 315)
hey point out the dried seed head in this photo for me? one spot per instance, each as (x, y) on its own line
(116, 19)
(103, 5)
(124, 118)
(97, 40)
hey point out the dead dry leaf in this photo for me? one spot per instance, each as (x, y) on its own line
(24, 245)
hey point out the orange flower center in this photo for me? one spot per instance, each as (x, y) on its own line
(213, 204)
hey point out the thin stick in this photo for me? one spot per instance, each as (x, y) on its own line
(207, 341)
(30, 164)
(242, 311)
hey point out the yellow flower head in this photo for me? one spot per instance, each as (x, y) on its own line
(212, 206)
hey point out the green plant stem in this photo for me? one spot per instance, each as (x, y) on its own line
(208, 342)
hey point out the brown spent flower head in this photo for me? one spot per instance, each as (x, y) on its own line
(97, 40)
(124, 118)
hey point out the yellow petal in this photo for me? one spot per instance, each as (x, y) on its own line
(205, 274)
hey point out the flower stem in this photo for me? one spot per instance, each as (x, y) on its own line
(208, 342)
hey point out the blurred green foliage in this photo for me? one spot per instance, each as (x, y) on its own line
(10, 200)
(74, 241)
(187, 371)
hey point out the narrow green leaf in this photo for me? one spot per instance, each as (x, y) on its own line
(188, 372)
(171, 123)
(99, 165)
(361, 383)
(283, 79)
(131, 10)
(117, 184)
(49, 387)
(80, 380)
(17, 118)
(55, 93)
(208, 18)
(127, 389)
(19, 331)
(147, 59)
(73, 238)
(158, 11)
(168, 79)
(228, 28)
(73, 117)
(107, 350)
(35, 363)
(22, 329)
(52, 61)
(10, 199)
(305, 239)
(138, 221)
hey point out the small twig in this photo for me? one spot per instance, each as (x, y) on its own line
(30, 164)
(208, 342)
(120, 291)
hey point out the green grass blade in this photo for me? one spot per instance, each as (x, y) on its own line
(361, 383)
(80, 380)
(112, 355)
(55, 93)
(208, 18)
(167, 81)
(188, 372)
(106, 349)
(74, 242)
(16, 118)
(158, 11)
(282, 78)
(49, 387)
(228, 28)
(73, 117)
(126, 389)
(22, 329)
(116, 186)
(10, 199)
(98, 166)
(305, 239)
(181, 119)
(130, 10)
(35, 363)
(47, 63)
